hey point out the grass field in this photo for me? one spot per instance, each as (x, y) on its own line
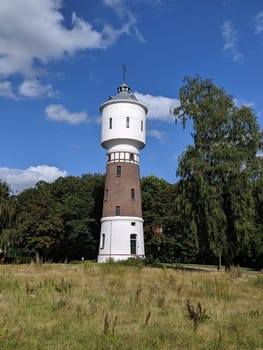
(112, 306)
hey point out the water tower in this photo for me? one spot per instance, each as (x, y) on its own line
(122, 135)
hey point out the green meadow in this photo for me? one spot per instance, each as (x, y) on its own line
(113, 306)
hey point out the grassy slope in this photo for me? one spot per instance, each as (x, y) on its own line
(111, 306)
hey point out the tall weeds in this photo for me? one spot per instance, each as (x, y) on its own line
(113, 306)
(196, 313)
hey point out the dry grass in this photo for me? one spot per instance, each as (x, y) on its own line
(112, 306)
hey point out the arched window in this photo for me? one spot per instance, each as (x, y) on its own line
(118, 210)
(132, 193)
(133, 240)
(102, 241)
(106, 195)
(118, 170)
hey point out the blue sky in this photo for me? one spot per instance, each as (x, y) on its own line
(60, 59)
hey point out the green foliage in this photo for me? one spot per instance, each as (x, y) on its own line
(60, 221)
(259, 282)
(158, 213)
(8, 208)
(218, 171)
(39, 226)
(139, 263)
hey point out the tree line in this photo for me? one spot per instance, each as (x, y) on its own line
(213, 213)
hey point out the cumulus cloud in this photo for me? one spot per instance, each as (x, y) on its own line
(156, 134)
(59, 113)
(159, 107)
(33, 31)
(6, 90)
(33, 88)
(20, 180)
(258, 21)
(230, 36)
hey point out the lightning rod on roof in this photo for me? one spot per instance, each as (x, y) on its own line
(123, 73)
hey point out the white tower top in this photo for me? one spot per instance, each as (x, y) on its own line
(123, 121)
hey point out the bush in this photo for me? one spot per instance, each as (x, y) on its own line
(133, 262)
(23, 260)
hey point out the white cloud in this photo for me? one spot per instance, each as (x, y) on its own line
(61, 114)
(241, 102)
(259, 23)
(6, 90)
(112, 34)
(118, 6)
(159, 107)
(230, 36)
(123, 11)
(156, 134)
(33, 88)
(33, 31)
(19, 179)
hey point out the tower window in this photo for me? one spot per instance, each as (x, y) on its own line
(127, 122)
(118, 170)
(118, 210)
(110, 123)
(141, 125)
(102, 241)
(132, 193)
(131, 156)
(106, 195)
(133, 243)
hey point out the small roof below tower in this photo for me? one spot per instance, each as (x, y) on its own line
(124, 88)
(124, 93)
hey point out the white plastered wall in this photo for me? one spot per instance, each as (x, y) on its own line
(117, 231)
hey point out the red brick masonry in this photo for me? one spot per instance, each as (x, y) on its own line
(118, 190)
